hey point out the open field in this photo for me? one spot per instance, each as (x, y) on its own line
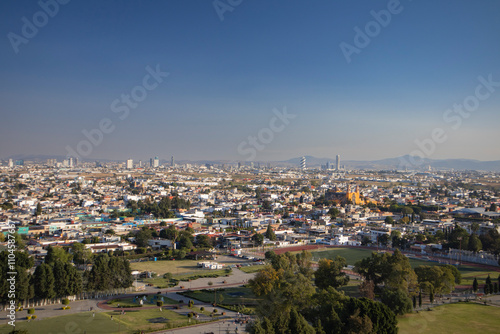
(252, 269)
(74, 323)
(162, 267)
(81, 323)
(352, 255)
(453, 318)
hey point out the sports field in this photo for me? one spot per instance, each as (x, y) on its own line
(453, 318)
(352, 255)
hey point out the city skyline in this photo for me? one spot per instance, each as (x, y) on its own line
(368, 81)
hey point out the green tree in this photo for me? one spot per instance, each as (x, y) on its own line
(203, 241)
(474, 244)
(389, 220)
(44, 282)
(475, 285)
(329, 273)
(440, 277)
(298, 324)
(270, 233)
(397, 300)
(57, 254)
(258, 239)
(81, 254)
(333, 213)
(143, 236)
(38, 210)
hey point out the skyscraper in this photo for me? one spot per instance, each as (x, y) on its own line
(130, 164)
(337, 163)
(156, 162)
(172, 161)
(303, 163)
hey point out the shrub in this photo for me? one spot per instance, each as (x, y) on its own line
(31, 311)
(159, 303)
(202, 309)
(65, 301)
(33, 316)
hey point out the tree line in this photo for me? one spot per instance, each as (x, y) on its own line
(295, 299)
(58, 276)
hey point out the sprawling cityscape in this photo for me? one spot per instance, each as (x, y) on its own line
(260, 167)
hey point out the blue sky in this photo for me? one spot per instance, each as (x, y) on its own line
(226, 77)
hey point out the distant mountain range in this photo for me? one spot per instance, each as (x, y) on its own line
(405, 162)
(399, 163)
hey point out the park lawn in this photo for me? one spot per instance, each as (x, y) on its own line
(469, 272)
(73, 323)
(452, 318)
(129, 302)
(252, 269)
(129, 323)
(352, 255)
(231, 296)
(138, 320)
(165, 266)
(161, 282)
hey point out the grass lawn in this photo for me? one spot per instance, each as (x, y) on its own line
(73, 323)
(161, 282)
(232, 296)
(252, 269)
(162, 267)
(453, 318)
(129, 302)
(352, 255)
(128, 323)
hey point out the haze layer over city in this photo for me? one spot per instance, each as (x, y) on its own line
(237, 166)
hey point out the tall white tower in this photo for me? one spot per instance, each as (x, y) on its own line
(337, 162)
(303, 163)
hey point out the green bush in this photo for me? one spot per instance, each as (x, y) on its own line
(33, 316)
(65, 301)
(31, 310)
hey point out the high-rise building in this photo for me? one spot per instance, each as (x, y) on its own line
(172, 161)
(11, 163)
(337, 162)
(130, 164)
(156, 162)
(303, 163)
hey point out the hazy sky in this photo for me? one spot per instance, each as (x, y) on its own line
(367, 95)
